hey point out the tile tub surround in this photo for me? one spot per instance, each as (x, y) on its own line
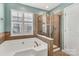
(2, 37)
(22, 36)
(9, 37)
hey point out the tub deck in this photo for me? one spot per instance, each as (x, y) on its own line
(12, 47)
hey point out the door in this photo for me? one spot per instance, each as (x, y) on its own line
(71, 28)
(56, 27)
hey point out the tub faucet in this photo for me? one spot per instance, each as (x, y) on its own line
(22, 42)
(36, 43)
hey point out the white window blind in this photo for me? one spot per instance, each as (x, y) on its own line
(21, 23)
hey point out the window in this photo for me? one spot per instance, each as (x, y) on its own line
(21, 23)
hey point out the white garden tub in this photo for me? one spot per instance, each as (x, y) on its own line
(24, 47)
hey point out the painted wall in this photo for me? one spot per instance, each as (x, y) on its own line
(1, 18)
(60, 8)
(17, 6)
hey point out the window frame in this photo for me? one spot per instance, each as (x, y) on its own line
(21, 23)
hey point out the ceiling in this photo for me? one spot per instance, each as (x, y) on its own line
(44, 6)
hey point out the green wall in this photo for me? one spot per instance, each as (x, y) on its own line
(17, 6)
(1, 17)
(61, 8)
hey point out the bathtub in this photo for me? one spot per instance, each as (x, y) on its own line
(24, 47)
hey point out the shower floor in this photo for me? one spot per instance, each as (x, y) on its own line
(60, 53)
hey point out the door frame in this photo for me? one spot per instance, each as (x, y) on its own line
(60, 14)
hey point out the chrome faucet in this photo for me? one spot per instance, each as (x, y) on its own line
(36, 43)
(22, 42)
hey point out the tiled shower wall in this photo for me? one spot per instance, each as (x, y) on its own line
(60, 8)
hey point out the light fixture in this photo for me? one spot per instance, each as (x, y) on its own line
(47, 7)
